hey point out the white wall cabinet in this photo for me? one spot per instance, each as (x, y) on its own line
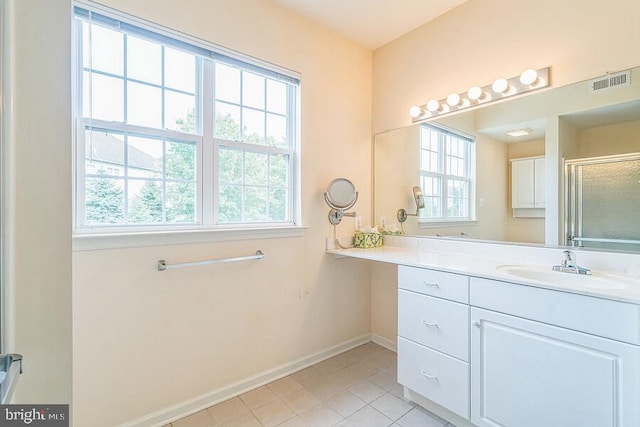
(508, 355)
(528, 186)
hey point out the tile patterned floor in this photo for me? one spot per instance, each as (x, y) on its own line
(357, 388)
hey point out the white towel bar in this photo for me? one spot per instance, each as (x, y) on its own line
(163, 266)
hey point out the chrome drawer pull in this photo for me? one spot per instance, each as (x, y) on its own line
(431, 285)
(431, 325)
(476, 324)
(429, 377)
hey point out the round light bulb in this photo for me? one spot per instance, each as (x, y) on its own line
(433, 105)
(415, 111)
(528, 77)
(474, 93)
(453, 100)
(500, 86)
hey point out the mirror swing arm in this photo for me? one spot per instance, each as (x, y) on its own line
(336, 214)
(402, 214)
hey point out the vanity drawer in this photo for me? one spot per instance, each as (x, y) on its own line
(436, 283)
(434, 375)
(606, 318)
(437, 323)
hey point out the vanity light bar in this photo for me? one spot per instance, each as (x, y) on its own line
(528, 81)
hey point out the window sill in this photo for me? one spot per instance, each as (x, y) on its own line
(92, 242)
(450, 223)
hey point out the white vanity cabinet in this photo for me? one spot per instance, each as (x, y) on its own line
(528, 186)
(530, 373)
(433, 336)
(501, 354)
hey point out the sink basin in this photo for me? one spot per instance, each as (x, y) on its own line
(594, 281)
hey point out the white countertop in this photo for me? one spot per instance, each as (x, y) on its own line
(492, 265)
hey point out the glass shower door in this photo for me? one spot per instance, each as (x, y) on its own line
(603, 202)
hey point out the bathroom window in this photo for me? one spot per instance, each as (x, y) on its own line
(173, 133)
(447, 165)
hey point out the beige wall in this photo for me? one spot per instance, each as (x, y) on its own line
(491, 190)
(482, 40)
(518, 150)
(384, 301)
(611, 139)
(396, 170)
(146, 340)
(38, 257)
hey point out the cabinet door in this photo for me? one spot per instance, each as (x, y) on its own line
(522, 184)
(530, 374)
(539, 182)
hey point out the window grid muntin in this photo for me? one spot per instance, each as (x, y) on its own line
(244, 186)
(448, 145)
(125, 79)
(242, 145)
(126, 177)
(205, 162)
(257, 149)
(459, 202)
(241, 106)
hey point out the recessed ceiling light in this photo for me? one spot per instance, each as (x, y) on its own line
(520, 132)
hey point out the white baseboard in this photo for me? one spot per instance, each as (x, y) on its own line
(186, 408)
(385, 342)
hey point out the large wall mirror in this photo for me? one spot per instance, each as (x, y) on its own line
(595, 135)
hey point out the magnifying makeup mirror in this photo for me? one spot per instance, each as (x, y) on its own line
(341, 195)
(419, 199)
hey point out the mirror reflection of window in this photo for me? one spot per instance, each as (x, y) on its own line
(446, 174)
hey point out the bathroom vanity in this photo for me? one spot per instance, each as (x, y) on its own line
(503, 340)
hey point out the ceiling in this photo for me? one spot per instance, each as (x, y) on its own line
(371, 23)
(597, 117)
(536, 127)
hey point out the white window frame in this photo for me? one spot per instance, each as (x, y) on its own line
(100, 125)
(206, 145)
(444, 176)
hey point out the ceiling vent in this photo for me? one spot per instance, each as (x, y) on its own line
(622, 78)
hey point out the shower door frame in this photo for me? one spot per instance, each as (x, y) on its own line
(573, 198)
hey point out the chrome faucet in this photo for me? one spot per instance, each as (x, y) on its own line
(567, 265)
